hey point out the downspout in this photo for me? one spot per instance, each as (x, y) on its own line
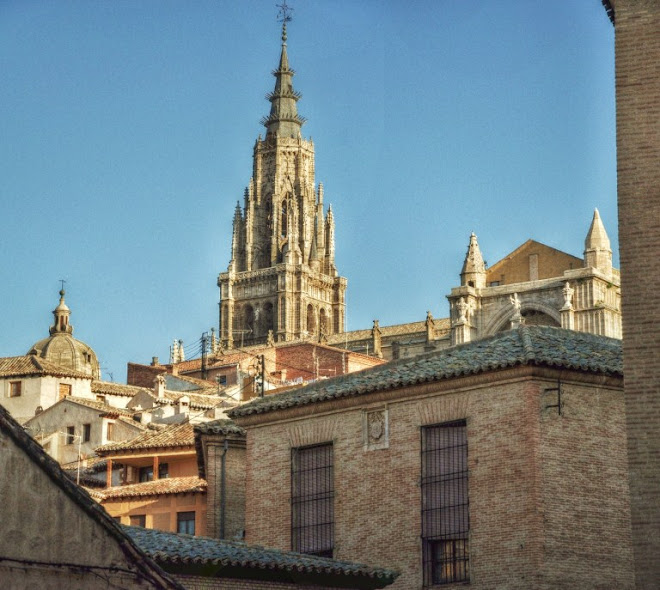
(223, 493)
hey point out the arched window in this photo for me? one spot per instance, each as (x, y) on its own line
(268, 318)
(249, 319)
(285, 219)
(323, 323)
(311, 320)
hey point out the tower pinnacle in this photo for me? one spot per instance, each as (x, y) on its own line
(473, 273)
(283, 119)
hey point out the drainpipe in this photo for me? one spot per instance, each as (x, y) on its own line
(223, 493)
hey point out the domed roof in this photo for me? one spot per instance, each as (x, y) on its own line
(63, 349)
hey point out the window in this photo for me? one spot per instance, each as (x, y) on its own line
(146, 474)
(64, 390)
(138, 520)
(445, 516)
(185, 523)
(15, 388)
(87, 432)
(163, 471)
(312, 500)
(70, 434)
(110, 431)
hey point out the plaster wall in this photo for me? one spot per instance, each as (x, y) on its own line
(40, 391)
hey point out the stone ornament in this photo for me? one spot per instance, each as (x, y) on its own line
(568, 291)
(376, 429)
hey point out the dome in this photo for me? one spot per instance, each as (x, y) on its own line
(63, 349)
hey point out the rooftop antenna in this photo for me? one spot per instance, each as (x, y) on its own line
(284, 14)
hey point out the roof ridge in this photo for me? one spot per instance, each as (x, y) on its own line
(527, 344)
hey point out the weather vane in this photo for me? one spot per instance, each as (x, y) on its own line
(284, 14)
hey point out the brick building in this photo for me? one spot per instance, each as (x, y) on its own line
(160, 487)
(637, 55)
(501, 462)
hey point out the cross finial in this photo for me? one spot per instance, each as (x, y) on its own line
(284, 14)
(62, 281)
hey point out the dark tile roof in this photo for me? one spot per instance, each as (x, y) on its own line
(135, 555)
(528, 345)
(166, 486)
(608, 8)
(221, 426)
(32, 365)
(176, 435)
(177, 549)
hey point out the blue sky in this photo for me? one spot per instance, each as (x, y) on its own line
(127, 132)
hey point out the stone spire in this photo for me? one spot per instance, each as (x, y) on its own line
(283, 119)
(597, 249)
(61, 314)
(473, 273)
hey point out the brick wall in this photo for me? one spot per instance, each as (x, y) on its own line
(235, 486)
(548, 499)
(637, 43)
(143, 375)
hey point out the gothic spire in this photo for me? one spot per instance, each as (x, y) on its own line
(283, 119)
(597, 248)
(473, 273)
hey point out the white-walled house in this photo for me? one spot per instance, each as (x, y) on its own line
(76, 426)
(29, 385)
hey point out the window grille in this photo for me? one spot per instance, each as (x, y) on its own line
(312, 500)
(445, 507)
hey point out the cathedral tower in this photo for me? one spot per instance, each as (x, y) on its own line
(282, 283)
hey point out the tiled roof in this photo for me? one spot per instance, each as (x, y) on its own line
(109, 388)
(528, 345)
(187, 384)
(135, 555)
(32, 365)
(100, 406)
(176, 435)
(171, 549)
(168, 485)
(222, 426)
(198, 401)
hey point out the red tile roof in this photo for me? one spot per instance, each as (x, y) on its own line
(169, 485)
(32, 365)
(176, 435)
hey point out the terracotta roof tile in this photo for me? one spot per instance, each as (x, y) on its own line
(32, 365)
(529, 345)
(175, 435)
(109, 388)
(168, 485)
(173, 548)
